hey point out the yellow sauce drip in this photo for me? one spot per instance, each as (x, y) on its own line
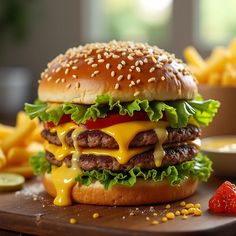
(159, 152)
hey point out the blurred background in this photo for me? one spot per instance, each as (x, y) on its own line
(33, 32)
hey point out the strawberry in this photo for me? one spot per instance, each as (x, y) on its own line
(224, 200)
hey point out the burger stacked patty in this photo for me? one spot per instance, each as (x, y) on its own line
(175, 151)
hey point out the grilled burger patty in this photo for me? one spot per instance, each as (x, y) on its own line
(173, 155)
(98, 139)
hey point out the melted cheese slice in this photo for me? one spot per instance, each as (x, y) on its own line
(63, 177)
(124, 133)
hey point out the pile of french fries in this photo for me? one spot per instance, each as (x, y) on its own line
(218, 69)
(18, 144)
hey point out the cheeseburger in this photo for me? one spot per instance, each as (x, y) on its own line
(121, 126)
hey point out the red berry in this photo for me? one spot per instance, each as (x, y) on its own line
(226, 189)
(216, 204)
(224, 200)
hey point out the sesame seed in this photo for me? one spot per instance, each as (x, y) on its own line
(154, 59)
(138, 69)
(136, 63)
(58, 80)
(123, 53)
(129, 77)
(96, 72)
(136, 93)
(163, 78)
(132, 67)
(120, 77)
(58, 69)
(158, 66)
(154, 214)
(99, 56)
(147, 218)
(123, 62)
(74, 67)
(63, 80)
(113, 73)
(141, 63)
(145, 60)
(152, 79)
(138, 81)
(49, 78)
(117, 86)
(94, 65)
(131, 213)
(74, 76)
(152, 69)
(131, 83)
(90, 62)
(66, 71)
(68, 86)
(108, 66)
(130, 58)
(119, 67)
(101, 60)
(39, 81)
(115, 56)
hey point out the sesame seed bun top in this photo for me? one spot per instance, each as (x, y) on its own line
(123, 70)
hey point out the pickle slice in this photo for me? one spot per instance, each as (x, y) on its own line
(11, 182)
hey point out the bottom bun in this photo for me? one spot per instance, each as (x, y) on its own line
(143, 192)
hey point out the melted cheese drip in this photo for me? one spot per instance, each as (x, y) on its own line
(63, 177)
(159, 152)
(60, 152)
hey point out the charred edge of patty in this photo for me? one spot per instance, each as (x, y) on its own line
(173, 156)
(98, 139)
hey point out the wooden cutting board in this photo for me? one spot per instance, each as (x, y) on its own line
(31, 211)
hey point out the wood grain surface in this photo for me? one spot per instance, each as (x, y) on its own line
(31, 211)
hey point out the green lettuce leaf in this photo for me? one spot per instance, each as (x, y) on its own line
(39, 164)
(199, 167)
(178, 112)
(44, 111)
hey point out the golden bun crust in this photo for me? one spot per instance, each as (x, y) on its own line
(144, 192)
(123, 70)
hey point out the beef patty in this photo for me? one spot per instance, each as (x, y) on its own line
(173, 155)
(98, 139)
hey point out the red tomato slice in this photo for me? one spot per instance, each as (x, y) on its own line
(64, 119)
(113, 119)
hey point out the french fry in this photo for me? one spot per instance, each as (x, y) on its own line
(36, 135)
(219, 68)
(24, 170)
(22, 118)
(3, 160)
(21, 133)
(194, 58)
(5, 130)
(17, 156)
(214, 79)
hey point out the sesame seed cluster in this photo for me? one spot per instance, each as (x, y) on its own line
(119, 61)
